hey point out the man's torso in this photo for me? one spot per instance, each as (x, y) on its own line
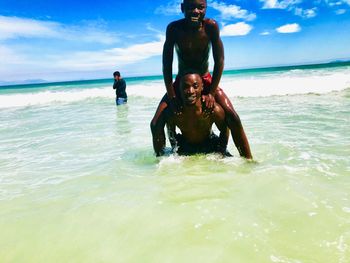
(192, 47)
(120, 88)
(196, 127)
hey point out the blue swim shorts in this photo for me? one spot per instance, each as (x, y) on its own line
(120, 101)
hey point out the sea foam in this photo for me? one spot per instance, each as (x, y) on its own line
(286, 83)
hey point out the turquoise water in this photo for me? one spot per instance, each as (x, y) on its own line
(79, 181)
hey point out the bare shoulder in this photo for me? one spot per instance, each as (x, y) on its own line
(175, 24)
(172, 31)
(212, 29)
(211, 24)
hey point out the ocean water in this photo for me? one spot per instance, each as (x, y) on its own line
(79, 181)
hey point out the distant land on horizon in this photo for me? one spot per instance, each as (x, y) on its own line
(30, 82)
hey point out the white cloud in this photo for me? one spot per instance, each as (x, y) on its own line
(289, 28)
(35, 61)
(333, 3)
(337, 2)
(48, 66)
(340, 11)
(109, 58)
(238, 29)
(269, 3)
(338, 5)
(227, 11)
(16, 27)
(172, 8)
(8, 54)
(152, 29)
(13, 27)
(306, 13)
(15, 64)
(275, 4)
(231, 11)
(265, 33)
(290, 5)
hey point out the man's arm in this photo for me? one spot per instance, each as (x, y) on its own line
(122, 88)
(219, 119)
(171, 128)
(168, 54)
(158, 134)
(218, 55)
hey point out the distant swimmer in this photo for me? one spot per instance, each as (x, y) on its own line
(193, 37)
(193, 121)
(120, 89)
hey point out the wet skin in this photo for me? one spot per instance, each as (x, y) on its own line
(192, 37)
(195, 124)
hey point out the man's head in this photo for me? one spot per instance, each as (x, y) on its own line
(194, 11)
(191, 87)
(116, 75)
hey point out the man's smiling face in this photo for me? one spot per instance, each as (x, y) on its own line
(191, 88)
(194, 11)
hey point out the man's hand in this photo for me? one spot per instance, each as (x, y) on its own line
(208, 105)
(209, 101)
(175, 106)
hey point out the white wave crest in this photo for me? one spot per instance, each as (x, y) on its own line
(288, 83)
(47, 97)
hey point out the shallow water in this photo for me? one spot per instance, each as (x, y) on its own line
(79, 183)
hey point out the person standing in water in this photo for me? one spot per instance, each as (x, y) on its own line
(193, 37)
(120, 89)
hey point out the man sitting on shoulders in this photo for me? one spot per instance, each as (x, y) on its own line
(194, 38)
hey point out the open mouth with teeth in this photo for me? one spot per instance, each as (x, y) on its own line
(194, 18)
(191, 99)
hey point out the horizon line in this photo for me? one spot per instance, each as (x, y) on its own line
(9, 84)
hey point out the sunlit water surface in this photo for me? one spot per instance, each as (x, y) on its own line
(79, 183)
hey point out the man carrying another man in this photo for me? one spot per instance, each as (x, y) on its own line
(194, 123)
(193, 37)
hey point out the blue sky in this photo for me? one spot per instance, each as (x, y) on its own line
(67, 40)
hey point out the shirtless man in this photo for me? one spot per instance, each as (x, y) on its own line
(195, 125)
(192, 37)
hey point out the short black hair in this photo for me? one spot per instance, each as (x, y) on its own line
(116, 73)
(187, 1)
(189, 72)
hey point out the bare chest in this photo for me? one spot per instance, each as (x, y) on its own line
(195, 128)
(189, 42)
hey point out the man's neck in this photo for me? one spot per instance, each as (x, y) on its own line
(197, 107)
(191, 27)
